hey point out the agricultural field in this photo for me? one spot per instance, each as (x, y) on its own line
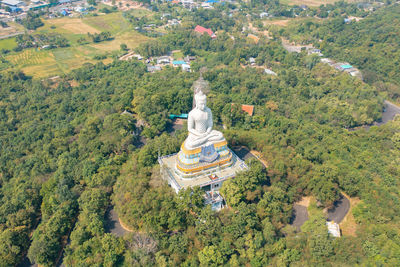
(43, 63)
(13, 28)
(9, 43)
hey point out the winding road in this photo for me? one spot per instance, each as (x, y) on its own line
(339, 210)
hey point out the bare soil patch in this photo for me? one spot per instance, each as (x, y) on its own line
(305, 201)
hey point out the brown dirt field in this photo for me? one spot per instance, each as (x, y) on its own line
(253, 37)
(305, 201)
(349, 225)
(73, 83)
(282, 22)
(76, 26)
(13, 28)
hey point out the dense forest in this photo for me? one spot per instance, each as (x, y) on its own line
(69, 153)
(371, 44)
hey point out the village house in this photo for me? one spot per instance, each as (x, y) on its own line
(163, 60)
(202, 30)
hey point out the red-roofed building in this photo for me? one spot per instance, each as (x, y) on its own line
(203, 30)
(249, 109)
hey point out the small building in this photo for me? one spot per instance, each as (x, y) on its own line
(190, 58)
(270, 72)
(177, 63)
(206, 5)
(151, 68)
(327, 61)
(253, 37)
(333, 229)
(202, 30)
(64, 12)
(343, 66)
(163, 60)
(186, 67)
(264, 15)
(252, 61)
(304, 7)
(249, 109)
(214, 199)
(173, 22)
(13, 3)
(315, 51)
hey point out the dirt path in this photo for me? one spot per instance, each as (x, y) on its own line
(259, 156)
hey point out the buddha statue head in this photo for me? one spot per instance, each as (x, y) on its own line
(201, 100)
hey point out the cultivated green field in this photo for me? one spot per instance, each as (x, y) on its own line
(44, 63)
(8, 43)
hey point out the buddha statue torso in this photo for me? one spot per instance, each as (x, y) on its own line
(200, 125)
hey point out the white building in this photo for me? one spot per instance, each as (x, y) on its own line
(163, 60)
(270, 72)
(13, 3)
(333, 229)
(186, 67)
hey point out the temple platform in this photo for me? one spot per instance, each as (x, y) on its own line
(209, 179)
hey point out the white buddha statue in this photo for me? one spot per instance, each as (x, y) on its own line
(200, 125)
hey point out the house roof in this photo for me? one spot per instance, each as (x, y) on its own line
(346, 66)
(178, 62)
(11, 2)
(202, 30)
(249, 109)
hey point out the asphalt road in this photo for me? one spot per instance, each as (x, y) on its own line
(112, 224)
(340, 209)
(243, 152)
(388, 114)
(390, 111)
(300, 216)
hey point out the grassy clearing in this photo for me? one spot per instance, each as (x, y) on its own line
(11, 29)
(313, 3)
(113, 22)
(9, 43)
(177, 55)
(132, 39)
